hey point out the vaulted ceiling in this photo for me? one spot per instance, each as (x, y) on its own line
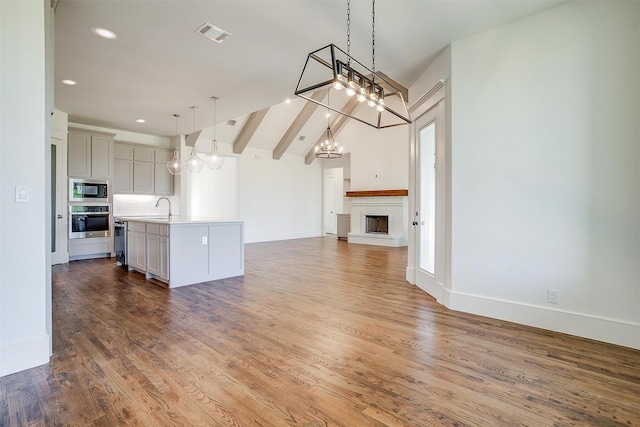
(158, 65)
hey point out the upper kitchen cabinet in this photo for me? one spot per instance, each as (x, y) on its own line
(141, 169)
(89, 154)
(122, 169)
(163, 180)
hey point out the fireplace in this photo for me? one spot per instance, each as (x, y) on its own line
(379, 218)
(377, 224)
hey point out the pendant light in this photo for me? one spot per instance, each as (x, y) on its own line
(214, 160)
(328, 149)
(194, 163)
(331, 65)
(175, 165)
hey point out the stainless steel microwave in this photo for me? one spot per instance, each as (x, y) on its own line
(88, 190)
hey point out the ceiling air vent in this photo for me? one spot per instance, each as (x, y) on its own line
(212, 32)
(231, 122)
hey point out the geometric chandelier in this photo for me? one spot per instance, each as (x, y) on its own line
(380, 102)
(328, 148)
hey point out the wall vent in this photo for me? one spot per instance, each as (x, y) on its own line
(212, 32)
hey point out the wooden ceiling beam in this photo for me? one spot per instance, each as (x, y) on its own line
(247, 131)
(403, 90)
(297, 125)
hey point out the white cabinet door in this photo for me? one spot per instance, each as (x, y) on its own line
(122, 151)
(122, 176)
(153, 254)
(79, 155)
(137, 254)
(143, 177)
(101, 156)
(158, 255)
(163, 180)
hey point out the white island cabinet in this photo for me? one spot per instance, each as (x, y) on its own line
(185, 251)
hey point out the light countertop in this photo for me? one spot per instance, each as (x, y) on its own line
(177, 219)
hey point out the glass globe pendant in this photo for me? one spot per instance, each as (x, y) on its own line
(194, 162)
(214, 160)
(175, 165)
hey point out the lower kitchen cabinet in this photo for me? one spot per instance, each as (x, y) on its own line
(148, 249)
(158, 251)
(96, 247)
(136, 246)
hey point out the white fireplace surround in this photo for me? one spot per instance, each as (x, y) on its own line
(395, 207)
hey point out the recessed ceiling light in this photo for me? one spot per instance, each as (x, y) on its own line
(141, 121)
(107, 34)
(288, 101)
(69, 82)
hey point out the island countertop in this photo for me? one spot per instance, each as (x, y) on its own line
(177, 219)
(184, 250)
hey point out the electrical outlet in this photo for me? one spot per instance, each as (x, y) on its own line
(204, 240)
(552, 296)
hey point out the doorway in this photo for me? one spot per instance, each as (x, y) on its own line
(332, 191)
(430, 202)
(59, 252)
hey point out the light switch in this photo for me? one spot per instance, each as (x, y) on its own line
(22, 194)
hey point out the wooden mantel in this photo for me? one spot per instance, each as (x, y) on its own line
(377, 193)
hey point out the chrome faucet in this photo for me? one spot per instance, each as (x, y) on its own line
(168, 201)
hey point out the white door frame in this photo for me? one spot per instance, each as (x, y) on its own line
(431, 282)
(332, 200)
(430, 107)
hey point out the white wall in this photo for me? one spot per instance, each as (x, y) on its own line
(379, 157)
(24, 342)
(214, 193)
(279, 199)
(546, 171)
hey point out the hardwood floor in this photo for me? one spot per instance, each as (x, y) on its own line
(318, 332)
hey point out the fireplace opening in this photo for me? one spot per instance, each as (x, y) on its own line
(377, 224)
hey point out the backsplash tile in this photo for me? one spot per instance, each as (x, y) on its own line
(142, 205)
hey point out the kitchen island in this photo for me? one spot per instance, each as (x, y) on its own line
(182, 251)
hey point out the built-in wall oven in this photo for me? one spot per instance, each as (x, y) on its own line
(88, 190)
(89, 221)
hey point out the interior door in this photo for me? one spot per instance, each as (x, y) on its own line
(328, 202)
(59, 224)
(429, 221)
(332, 198)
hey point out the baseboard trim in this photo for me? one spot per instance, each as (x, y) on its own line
(410, 275)
(24, 355)
(276, 237)
(612, 331)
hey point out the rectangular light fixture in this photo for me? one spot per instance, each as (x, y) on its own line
(382, 101)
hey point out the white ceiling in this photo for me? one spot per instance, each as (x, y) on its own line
(157, 66)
